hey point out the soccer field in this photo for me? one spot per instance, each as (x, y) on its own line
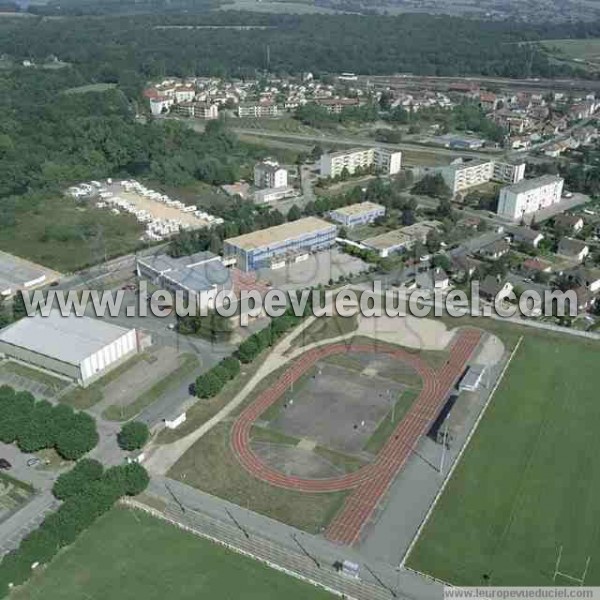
(529, 482)
(129, 555)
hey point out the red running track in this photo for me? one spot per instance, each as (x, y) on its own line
(371, 482)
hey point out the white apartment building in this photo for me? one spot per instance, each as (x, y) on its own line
(269, 174)
(334, 163)
(384, 160)
(259, 110)
(529, 196)
(388, 161)
(462, 176)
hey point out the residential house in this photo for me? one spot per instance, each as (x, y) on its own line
(568, 223)
(495, 250)
(573, 248)
(493, 287)
(525, 235)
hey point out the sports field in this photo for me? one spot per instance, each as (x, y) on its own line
(529, 482)
(131, 556)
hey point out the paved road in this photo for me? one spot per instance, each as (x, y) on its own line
(407, 584)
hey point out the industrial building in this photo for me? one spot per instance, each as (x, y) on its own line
(361, 213)
(382, 159)
(276, 246)
(17, 274)
(269, 195)
(400, 239)
(529, 196)
(270, 174)
(80, 348)
(201, 276)
(462, 176)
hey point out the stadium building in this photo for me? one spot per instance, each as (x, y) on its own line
(276, 246)
(80, 348)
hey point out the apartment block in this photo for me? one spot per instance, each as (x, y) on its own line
(259, 110)
(269, 174)
(388, 161)
(529, 196)
(384, 160)
(334, 163)
(463, 176)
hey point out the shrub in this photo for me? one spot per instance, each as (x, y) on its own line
(133, 435)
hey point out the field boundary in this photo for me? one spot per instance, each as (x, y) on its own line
(454, 465)
(266, 552)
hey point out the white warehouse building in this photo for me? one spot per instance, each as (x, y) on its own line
(529, 196)
(80, 348)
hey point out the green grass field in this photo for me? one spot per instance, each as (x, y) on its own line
(66, 236)
(529, 481)
(130, 555)
(585, 52)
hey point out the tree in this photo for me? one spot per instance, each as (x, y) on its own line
(232, 365)
(74, 481)
(208, 385)
(133, 435)
(294, 213)
(248, 350)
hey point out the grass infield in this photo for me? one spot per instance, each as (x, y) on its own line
(529, 481)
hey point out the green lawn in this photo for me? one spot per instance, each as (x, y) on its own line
(66, 236)
(582, 51)
(529, 481)
(129, 555)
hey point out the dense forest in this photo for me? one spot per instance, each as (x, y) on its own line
(122, 49)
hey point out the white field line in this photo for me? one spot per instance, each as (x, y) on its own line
(458, 458)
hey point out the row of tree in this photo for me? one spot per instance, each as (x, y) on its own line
(87, 491)
(36, 425)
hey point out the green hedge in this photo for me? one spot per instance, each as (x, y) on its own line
(89, 492)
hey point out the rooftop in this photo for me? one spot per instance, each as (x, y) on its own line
(358, 209)
(525, 185)
(349, 151)
(279, 233)
(17, 273)
(68, 339)
(196, 272)
(570, 247)
(391, 239)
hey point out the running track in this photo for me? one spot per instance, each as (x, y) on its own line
(371, 482)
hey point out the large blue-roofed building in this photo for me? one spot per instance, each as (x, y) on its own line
(274, 247)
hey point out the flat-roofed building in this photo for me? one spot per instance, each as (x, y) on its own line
(360, 213)
(275, 246)
(389, 242)
(462, 176)
(200, 276)
(80, 348)
(384, 160)
(388, 161)
(400, 239)
(18, 274)
(334, 163)
(529, 195)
